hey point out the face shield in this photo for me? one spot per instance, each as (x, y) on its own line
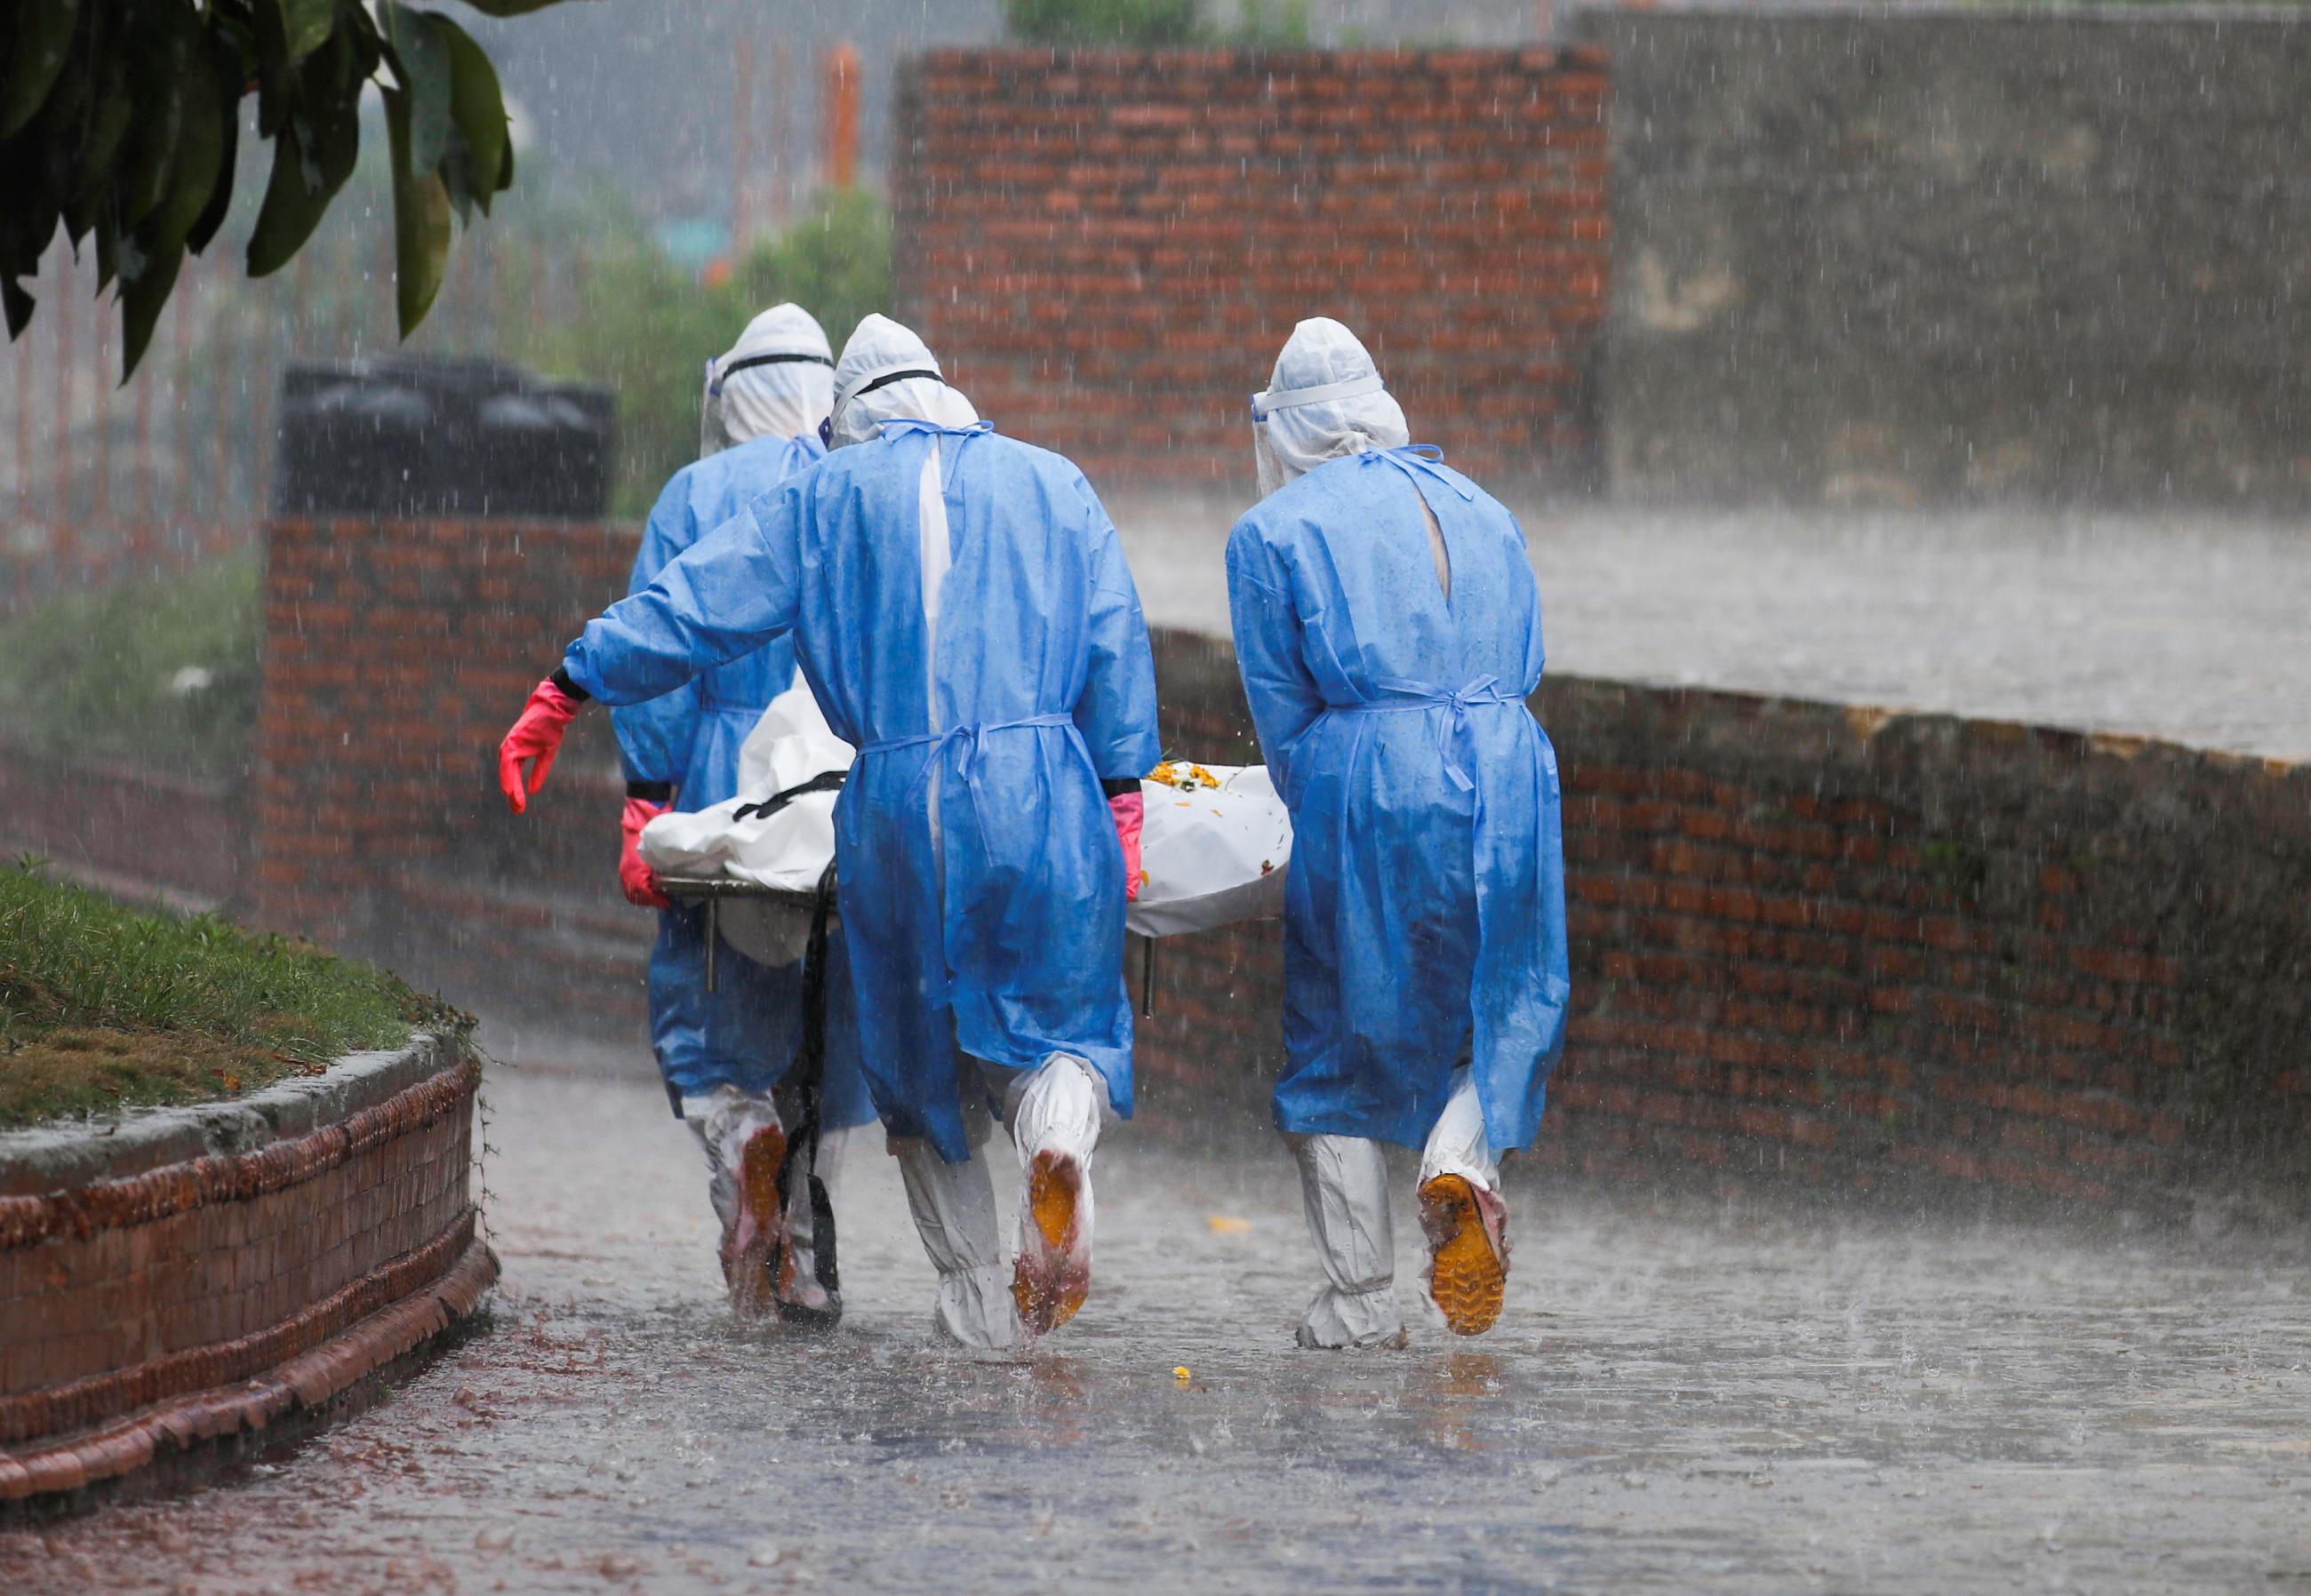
(1326, 400)
(887, 373)
(778, 381)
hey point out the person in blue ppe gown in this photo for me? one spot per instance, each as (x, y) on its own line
(962, 609)
(724, 1053)
(1388, 628)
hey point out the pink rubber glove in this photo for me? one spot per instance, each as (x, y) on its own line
(538, 735)
(1130, 812)
(638, 878)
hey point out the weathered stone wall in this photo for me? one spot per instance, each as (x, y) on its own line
(1913, 254)
(1865, 951)
(189, 1275)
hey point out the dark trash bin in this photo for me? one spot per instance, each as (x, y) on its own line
(417, 436)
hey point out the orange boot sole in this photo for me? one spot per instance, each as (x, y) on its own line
(1468, 1278)
(1048, 1290)
(744, 1264)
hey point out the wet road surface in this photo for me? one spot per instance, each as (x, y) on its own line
(1682, 1395)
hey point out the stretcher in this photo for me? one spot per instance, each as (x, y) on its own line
(1216, 846)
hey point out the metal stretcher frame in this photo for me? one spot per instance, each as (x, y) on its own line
(713, 889)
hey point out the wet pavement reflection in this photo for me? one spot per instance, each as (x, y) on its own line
(1683, 1394)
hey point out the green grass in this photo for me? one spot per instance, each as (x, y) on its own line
(116, 673)
(103, 1007)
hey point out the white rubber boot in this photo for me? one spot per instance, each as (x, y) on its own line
(953, 1206)
(1054, 1113)
(1344, 1190)
(802, 1298)
(745, 1144)
(1463, 1216)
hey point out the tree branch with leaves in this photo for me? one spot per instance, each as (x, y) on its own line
(120, 121)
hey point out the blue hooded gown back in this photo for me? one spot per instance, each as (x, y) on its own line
(744, 1032)
(690, 737)
(983, 883)
(1425, 912)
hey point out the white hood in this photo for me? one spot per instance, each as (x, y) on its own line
(1325, 400)
(777, 381)
(873, 384)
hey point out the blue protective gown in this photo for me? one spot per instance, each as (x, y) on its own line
(1425, 912)
(983, 883)
(745, 1032)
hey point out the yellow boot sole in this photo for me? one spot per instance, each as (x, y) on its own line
(1048, 1297)
(1467, 1279)
(744, 1269)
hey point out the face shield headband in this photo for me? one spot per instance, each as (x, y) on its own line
(1266, 405)
(867, 384)
(717, 374)
(875, 380)
(1268, 469)
(712, 436)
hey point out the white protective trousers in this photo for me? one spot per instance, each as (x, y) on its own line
(1059, 1107)
(723, 1121)
(1344, 1191)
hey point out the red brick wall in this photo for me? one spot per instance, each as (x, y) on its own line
(139, 831)
(1865, 951)
(396, 655)
(1808, 942)
(1107, 248)
(146, 1307)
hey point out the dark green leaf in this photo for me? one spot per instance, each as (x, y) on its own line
(315, 152)
(229, 67)
(108, 247)
(305, 24)
(200, 151)
(44, 30)
(111, 106)
(421, 221)
(42, 175)
(478, 108)
(159, 72)
(152, 258)
(277, 78)
(18, 304)
(421, 60)
(294, 199)
(509, 8)
(145, 282)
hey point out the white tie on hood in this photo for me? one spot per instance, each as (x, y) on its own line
(887, 373)
(777, 381)
(1325, 400)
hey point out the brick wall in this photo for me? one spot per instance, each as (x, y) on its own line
(397, 652)
(155, 1292)
(141, 832)
(1808, 942)
(1107, 248)
(1879, 952)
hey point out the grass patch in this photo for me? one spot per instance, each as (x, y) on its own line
(162, 671)
(103, 1007)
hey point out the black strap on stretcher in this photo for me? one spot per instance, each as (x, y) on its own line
(799, 1173)
(825, 781)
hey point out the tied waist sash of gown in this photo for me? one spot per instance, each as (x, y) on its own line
(1405, 698)
(965, 739)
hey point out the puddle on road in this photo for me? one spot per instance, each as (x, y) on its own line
(1684, 1395)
